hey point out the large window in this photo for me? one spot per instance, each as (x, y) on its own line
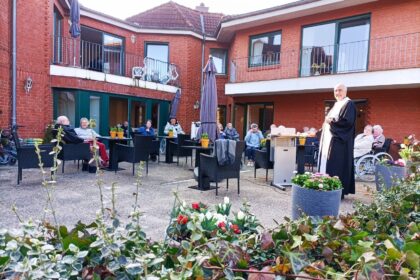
(335, 47)
(220, 60)
(158, 51)
(265, 49)
(101, 51)
(157, 66)
(66, 105)
(57, 31)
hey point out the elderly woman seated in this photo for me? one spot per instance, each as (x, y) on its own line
(363, 142)
(378, 136)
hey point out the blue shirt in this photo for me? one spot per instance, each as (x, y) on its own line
(253, 139)
(142, 130)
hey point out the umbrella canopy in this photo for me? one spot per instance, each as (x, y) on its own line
(175, 104)
(75, 19)
(209, 102)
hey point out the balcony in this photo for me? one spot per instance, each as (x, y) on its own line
(378, 54)
(112, 60)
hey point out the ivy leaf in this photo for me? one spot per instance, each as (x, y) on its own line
(297, 241)
(260, 276)
(328, 254)
(367, 257)
(310, 238)
(412, 245)
(339, 225)
(267, 241)
(196, 236)
(412, 260)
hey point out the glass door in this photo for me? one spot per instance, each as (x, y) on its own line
(95, 112)
(353, 46)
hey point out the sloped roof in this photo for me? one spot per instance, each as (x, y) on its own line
(174, 16)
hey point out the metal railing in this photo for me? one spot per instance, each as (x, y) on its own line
(387, 53)
(112, 60)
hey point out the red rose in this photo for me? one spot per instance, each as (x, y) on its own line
(221, 225)
(182, 220)
(196, 206)
(235, 228)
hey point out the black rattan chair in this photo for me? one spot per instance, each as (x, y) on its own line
(143, 147)
(262, 160)
(178, 151)
(77, 152)
(209, 169)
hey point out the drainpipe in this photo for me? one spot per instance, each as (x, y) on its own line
(203, 43)
(14, 66)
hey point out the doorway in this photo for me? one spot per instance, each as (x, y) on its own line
(361, 113)
(118, 111)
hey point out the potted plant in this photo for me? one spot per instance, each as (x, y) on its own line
(120, 132)
(205, 140)
(315, 194)
(113, 132)
(171, 132)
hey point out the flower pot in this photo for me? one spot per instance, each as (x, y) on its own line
(406, 141)
(205, 143)
(314, 202)
(120, 134)
(302, 141)
(388, 176)
(170, 134)
(113, 134)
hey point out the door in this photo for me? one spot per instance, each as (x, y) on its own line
(239, 119)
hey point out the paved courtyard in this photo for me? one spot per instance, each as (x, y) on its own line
(76, 195)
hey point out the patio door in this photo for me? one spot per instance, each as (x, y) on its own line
(261, 114)
(239, 119)
(118, 111)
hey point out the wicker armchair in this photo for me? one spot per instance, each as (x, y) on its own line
(262, 160)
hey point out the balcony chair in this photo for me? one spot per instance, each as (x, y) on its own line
(143, 147)
(211, 171)
(262, 160)
(28, 158)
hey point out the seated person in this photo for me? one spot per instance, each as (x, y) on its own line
(147, 130)
(221, 134)
(363, 142)
(252, 140)
(125, 128)
(175, 126)
(87, 134)
(231, 133)
(378, 137)
(69, 135)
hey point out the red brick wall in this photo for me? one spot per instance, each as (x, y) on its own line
(5, 60)
(388, 18)
(396, 110)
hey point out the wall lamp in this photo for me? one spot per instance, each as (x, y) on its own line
(196, 105)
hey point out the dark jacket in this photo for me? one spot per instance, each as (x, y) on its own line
(69, 135)
(231, 134)
(142, 130)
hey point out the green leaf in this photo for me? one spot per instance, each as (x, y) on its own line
(186, 245)
(412, 260)
(196, 236)
(297, 241)
(393, 254)
(365, 244)
(412, 245)
(156, 261)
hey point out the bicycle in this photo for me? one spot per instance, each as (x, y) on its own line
(8, 153)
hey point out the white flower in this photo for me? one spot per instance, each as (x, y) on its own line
(184, 204)
(220, 218)
(320, 186)
(201, 217)
(226, 200)
(241, 215)
(209, 215)
(295, 172)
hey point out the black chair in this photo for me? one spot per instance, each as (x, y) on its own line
(28, 158)
(209, 169)
(178, 151)
(143, 147)
(262, 160)
(77, 152)
(155, 145)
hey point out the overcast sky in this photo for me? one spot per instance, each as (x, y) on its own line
(125, 8)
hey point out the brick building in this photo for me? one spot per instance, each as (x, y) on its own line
(277, 65)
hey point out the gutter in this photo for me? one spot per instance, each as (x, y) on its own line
(14, 125)
(203, 43)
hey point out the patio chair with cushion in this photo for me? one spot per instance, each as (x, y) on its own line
(262, 160)
(28, 158)
(143, 147)
(211, 171)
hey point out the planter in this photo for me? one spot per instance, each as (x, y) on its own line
(314, 202)
(113, 134)
(171, 134)
(302, 141)
(205, 143)
(120, 134)
(388, 176)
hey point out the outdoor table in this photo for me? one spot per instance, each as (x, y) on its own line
(111, 143)
(168, 150)
(198, 150)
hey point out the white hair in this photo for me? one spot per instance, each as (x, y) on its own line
(378, 127)
(83, 119)
(62, 120)
(341, 85)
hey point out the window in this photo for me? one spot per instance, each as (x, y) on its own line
(157, 67)
(57, 31)
(221, 115)
(220, 60)
(158, 51)
(265, 49)
(335, 47)
(67, 105)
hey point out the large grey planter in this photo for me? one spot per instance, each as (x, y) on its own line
(314, 202)
(388, 176)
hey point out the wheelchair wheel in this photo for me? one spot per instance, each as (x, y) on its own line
(383, 156)
(162, 147)
(365, 168)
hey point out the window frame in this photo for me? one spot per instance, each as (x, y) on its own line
(266, 34)
(226, 60)
(146, 43)
(337, 22)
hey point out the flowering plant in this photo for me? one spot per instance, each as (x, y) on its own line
(410, 152)
(317, 181)
(196, 222)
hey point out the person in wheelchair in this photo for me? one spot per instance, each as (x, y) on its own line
(378, 137)
(363, 142)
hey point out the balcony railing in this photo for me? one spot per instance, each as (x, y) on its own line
(112, 60)
(387, 53)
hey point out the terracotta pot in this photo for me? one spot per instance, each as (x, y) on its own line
(406, 141)
(120, 134)
(205, 143)
(302, 141)
(113, 134)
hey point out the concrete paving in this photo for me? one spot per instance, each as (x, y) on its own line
(76, 195)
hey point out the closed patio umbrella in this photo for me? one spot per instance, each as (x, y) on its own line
(208, 107)
(75, 19)
(175, 104)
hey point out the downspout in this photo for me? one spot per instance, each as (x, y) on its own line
(14, 126)
(203, 43)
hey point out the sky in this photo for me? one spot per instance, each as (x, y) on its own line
(125, 8)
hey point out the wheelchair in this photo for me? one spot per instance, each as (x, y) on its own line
(364, 166)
